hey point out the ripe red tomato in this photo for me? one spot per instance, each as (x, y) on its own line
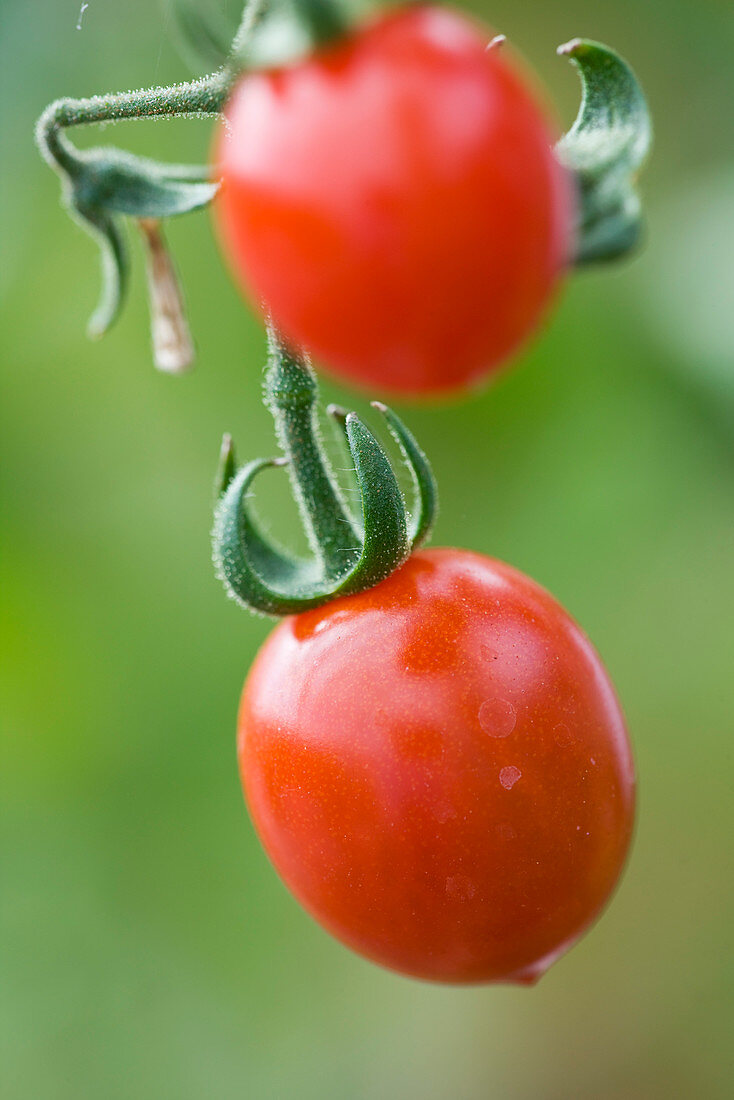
(394, 202)
(439, 770)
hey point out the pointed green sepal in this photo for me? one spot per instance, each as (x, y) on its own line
(423, 516)
(227, 467)
(114, 267)
(604, 150)
(385, 543)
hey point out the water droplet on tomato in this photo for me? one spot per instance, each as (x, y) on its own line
(509, 776)
(443, 812)
(460, 888)
(497, 717)
(562, 735)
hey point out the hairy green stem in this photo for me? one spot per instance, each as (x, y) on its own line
(199, 97)
(290, 393)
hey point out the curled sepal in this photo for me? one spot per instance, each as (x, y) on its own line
(604, 149)
(114, 265)
(264, 577)
(253, 571)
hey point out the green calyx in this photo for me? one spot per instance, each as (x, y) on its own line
(349, 554)
(604, 150)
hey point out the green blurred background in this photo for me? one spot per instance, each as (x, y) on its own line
(148, 950)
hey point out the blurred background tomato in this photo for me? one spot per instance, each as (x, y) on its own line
(149, 950)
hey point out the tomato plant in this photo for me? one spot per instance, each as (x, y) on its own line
(394, 202)
(439, 770)
(430, 748)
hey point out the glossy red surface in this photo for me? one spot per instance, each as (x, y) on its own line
(394, 202)
(439, 770)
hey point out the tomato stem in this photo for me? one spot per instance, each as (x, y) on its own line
(290, 394)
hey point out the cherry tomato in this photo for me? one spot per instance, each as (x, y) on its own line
(394, 202)
(439, 770)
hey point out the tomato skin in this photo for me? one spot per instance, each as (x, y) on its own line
(439, 770)
(394, 202)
